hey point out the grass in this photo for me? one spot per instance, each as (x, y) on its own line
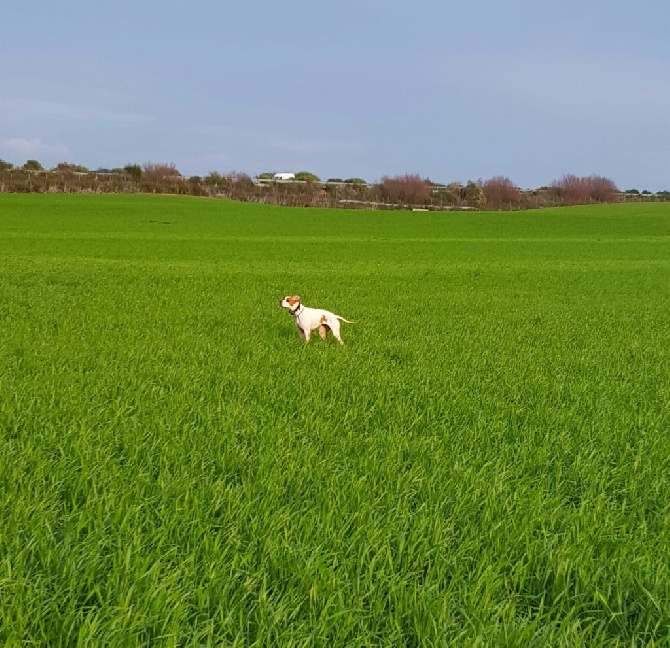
(485, 463)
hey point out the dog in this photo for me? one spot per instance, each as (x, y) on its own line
(310, 319)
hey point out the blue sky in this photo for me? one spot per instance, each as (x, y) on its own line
(452, 91)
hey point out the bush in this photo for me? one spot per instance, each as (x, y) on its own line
(574, 190)
(73, 168)
(154, 172)
(33, 165)
(473, 195)
(134, 171)
(407, 189)
(306, 176)
(501, 193)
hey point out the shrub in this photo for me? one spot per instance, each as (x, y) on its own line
(133, 170)
(306, 176)
(155, 172)
(574, 190)
(501, 193)
(408, 188)
(33, 165)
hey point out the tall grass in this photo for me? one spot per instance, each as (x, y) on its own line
(485, 463)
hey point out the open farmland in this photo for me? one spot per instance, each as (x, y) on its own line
(487, 461)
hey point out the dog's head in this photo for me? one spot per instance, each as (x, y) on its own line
(292, 302)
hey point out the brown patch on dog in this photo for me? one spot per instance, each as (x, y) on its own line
(293, 299)
(323, 319)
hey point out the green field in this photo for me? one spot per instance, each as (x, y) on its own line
(486, 462)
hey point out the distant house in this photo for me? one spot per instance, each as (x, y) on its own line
(283, 176)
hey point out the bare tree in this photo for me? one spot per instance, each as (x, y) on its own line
(409, 188)
(154, 172)
(501, 193)
(603, 190)
(574, 190)
(570, 190)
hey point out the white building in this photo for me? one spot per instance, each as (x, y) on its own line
(283, 176)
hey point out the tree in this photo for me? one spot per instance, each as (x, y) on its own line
(213, 178)
(473, 194)
(570, 190)
(134, 171)
(405, 189)
(266, 175)
(355, 181)
(602, 189)
(155, 172)
(33, 165)
(574, 190)
(4, 166)
(242, 187)
(501, 193)
(67, 166)
(306, 176)
(450, 194)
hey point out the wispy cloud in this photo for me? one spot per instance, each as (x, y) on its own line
(10, 108)
(316, 145)
(282, 141)
(31, 147)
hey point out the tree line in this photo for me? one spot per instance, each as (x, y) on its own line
(408, 191)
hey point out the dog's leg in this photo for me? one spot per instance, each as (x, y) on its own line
(307, 333)
(335, 328)
(323, 331)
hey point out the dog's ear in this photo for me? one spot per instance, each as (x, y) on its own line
(296, 298)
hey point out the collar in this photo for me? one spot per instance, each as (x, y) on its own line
(297, 311)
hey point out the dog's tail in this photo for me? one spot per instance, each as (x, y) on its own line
(344, 320)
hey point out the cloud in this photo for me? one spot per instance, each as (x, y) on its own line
(28, 148)
(74, 112)
(316, 145)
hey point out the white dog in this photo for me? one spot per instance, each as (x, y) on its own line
(309, 319)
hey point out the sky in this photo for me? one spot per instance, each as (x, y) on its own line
(452, 91)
